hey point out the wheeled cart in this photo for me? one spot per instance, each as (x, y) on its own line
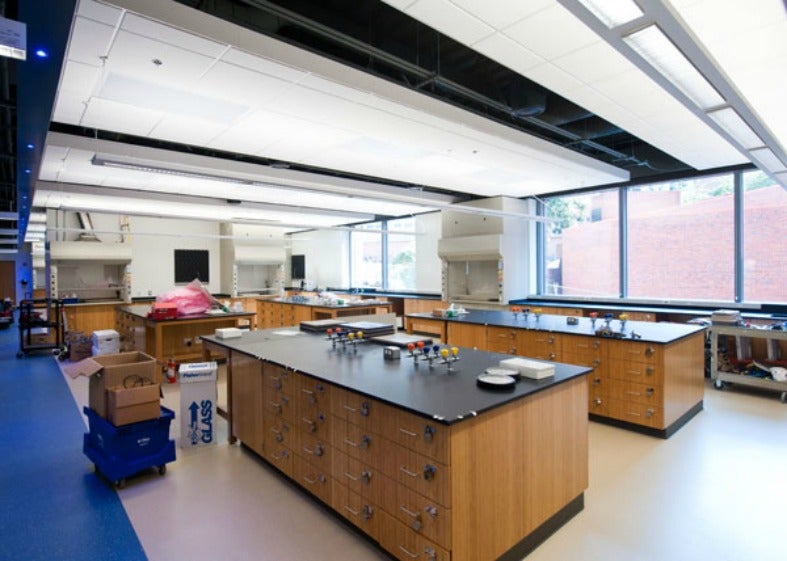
(120, 452)
(41, 326)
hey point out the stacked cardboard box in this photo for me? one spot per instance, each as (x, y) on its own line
(124, 387)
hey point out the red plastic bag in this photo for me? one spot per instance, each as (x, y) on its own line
(191, 299)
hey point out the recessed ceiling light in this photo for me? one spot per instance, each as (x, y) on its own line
(30, 145)
(42, 53)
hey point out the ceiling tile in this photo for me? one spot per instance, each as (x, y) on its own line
(507, 52)
(119, 117)
(552, 33)
(594, 63)
(553, 78)
(245, 87)
(81, 79)
(263, 65)
(69, 108)
(90, 41)
(165, 34)
(99, 12)
(502, 13)
(450, 20)
(186, 130)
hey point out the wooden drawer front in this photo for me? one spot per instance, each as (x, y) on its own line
(279, 405)
(315, 449)
(424, 516)
(278, 378)
(418, 434)
(360, 410)
(423, 475)
(501, 340)
(314, 479)
(315, 422)
(357, 442)
(587, 348)
(598, 403)
(312, 394)
(359, 510)
(539, 344)
(359, 477)
(407, 545)
(637, 372)
(279, 457)
(638, 393)
(634, 351)
(639, 413)
(279, 432)
(434, 327)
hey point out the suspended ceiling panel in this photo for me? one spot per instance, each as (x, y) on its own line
(559, 52)
(227, 88)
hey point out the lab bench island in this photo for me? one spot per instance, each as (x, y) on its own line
(420, 458)
(647, 376)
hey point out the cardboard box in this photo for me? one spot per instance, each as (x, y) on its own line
(132, 405)
(111, 371)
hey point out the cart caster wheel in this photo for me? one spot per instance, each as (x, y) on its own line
(120, 483)
(783, 397)
(718, 384)
(162, 469)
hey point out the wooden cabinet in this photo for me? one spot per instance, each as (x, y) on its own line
(88, 318)
(423, 305)
(544, 345)
(426, 326)
(590, 352)
(247, 401)
(470, 335)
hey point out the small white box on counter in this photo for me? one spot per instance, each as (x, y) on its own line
(228, 332)
(529, 368)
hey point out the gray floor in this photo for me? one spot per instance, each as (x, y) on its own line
(716, 490)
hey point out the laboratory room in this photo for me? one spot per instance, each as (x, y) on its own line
(433, 280)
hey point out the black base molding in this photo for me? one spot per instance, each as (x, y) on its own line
(543, 532)
(661, 433)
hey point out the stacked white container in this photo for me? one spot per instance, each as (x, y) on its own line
(106, 342)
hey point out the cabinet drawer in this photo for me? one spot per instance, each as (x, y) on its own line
(422, 474)
(315, 449)
(586, 348)
(312, 394)
(359, 477)
(598, 403)
(419, 434)
(314, 422)
(634, 351)
(424, 516)
(501, 340)
(407, 545)
(314, 479)
(278, 431)
(278, 405)
(357, 442)
(638, 393)
(278, 378)
(539, 344)
(639, 413)
(359, 510)
(630, 371)
(279, 457)
(360, 410)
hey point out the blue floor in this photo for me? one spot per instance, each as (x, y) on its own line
(52, 505)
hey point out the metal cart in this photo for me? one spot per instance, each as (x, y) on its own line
(741, 334)
(41, 326)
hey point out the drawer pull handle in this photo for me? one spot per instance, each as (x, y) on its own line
(350, 476)
(406, 471)
(650, 351)
(366, 477)
(634, 372)
(649, 413)
(280, 456)
(364, 410)
(276, 406)
(312, 397)
(597, 401)
(407, 432)
(552, 356)
(408, 552)
(596, 344)
(409, 512)
(318, 450)
(582, 346)
(429, 433)
(596, 381)
(596, 363)
(320, 478)
(431, 511)
(633, 393)
(429, 472)
(634, 414)
(277, 383)
(649, 392)
(366, 441)
(431, 554)
(351, 510)
(650, 371)
(312, 424)
(417, 523)
(366, 512)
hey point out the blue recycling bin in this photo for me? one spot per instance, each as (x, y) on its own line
(119, 452)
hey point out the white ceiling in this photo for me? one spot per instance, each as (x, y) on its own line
(223, 87)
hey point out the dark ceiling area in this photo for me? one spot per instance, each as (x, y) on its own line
(374, 37)
(8, 194)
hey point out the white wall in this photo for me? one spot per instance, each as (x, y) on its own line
(428, 265)
(153, 256)
(327, 257)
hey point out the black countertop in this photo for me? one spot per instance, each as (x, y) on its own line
(443, 395)
(647, 330)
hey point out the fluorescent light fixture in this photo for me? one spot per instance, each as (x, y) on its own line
(8, 250)
(9, 216)
(661, 53)
(767, 158)
(613, 12)
(728, 119)
(96, 161)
